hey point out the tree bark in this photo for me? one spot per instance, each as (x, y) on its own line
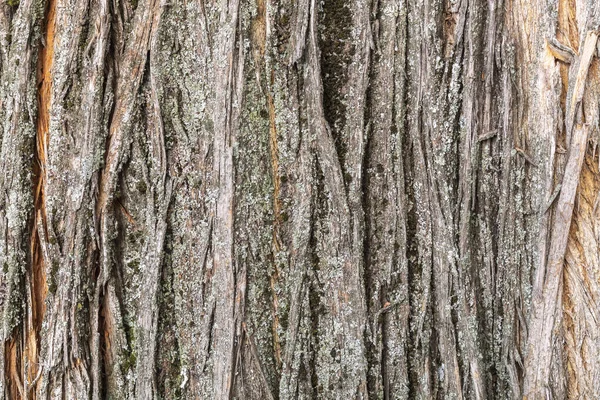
(292, 199)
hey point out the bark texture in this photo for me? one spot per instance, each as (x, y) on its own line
(294, 199)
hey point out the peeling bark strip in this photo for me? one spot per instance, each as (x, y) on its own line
(280, 199)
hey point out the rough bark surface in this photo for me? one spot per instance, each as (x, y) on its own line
(293, 199)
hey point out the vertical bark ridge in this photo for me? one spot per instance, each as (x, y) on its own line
(228, 63)
(385, 255)
(133, 65)
(257, 215)
(296, 162)
(470, 299)
(432, 112)
(78, 137)
(184, 72)
(17, 138)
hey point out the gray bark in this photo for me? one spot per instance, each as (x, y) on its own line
(279, 199)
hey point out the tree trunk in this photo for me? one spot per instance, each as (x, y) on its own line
(292, 199)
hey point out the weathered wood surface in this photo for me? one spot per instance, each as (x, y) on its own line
(291, 199)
